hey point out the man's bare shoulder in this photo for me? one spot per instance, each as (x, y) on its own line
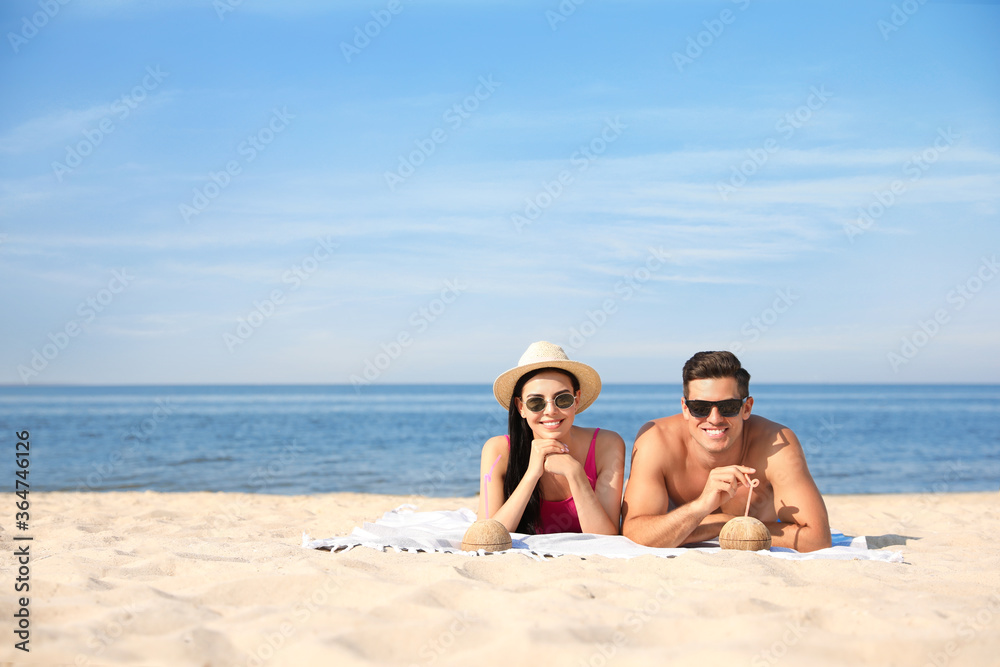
(660, 439)
(769, 439)
(660, 430)
(763, 431)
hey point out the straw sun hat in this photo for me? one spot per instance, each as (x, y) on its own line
(544, 354)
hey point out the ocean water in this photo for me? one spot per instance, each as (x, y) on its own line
(426, 439)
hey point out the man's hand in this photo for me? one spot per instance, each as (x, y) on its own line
(721, 485)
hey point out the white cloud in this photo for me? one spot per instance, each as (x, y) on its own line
(51, 129)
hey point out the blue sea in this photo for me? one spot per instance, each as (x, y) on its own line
(426, 439)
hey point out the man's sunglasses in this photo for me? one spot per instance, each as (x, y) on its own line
(562, 401)
(728, 408)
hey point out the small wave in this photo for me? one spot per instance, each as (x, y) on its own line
(205, 459)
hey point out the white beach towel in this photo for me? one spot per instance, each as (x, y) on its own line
(404, 529)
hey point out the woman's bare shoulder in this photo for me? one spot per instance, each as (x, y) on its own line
(496, 443)
(609, 445)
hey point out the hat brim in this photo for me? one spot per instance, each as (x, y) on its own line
(590, 381)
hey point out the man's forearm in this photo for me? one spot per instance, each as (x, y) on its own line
(800, 538)
(672, 529)
(708, 529)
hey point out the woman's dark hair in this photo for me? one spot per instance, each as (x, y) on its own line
(520, 452)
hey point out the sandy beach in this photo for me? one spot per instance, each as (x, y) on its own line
(221, 579)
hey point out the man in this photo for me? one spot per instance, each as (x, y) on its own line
(690, 472)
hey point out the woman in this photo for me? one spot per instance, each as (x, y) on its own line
(547, 475)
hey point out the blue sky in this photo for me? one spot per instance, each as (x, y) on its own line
(252, 192)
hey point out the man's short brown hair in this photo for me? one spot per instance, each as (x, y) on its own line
(716, 365)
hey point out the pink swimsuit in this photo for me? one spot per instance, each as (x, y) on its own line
(559, 516)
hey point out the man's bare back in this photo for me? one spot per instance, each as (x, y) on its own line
(689, 476)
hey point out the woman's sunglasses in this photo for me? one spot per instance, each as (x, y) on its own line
(562, 401)
(728, 408)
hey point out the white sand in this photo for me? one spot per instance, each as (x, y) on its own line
(221, 579)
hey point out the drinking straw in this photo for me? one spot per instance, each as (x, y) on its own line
(751, 483)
